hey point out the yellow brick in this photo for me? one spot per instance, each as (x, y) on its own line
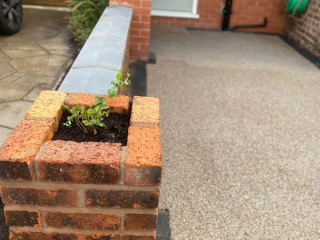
(48, 106)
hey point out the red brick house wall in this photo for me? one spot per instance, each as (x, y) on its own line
(304, 28)
(244, 12)
(140, 27)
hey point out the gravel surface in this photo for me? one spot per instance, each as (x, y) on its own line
(241, 136)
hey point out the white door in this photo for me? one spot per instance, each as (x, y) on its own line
(175, 8)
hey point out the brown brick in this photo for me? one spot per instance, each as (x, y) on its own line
(138, 238)
(41, 197)
(140, 222)
(92, 221)
(18, 235)
(122, 199)
(19, 150)
(22, 218)
(119, 104)
(117, 237)
(101, 236)
(87, 162)
(145, 111)
(48, 106)
(144, 160)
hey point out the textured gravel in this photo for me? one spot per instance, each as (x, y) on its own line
(241, 136)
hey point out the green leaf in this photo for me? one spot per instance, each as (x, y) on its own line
(104, 107)
(119, 75)
(100, 99)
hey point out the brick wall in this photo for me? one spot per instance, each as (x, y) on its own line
(75, 191)
(304, 28)
(245, 12)
(140, 27)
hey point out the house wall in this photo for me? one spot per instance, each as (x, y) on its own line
(244, 12)
(304, 28)
(140, 27)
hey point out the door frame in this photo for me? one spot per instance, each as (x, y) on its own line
(178, 14)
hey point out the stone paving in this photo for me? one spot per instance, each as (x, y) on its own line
(31, 61)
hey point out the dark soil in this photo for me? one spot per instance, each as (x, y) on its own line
(116, 131)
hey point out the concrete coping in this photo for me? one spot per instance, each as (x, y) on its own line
(103, 55)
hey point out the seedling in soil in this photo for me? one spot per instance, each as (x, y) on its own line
(88, 120)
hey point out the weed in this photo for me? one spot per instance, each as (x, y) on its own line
(88, 120)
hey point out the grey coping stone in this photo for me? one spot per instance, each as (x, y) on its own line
(88, 80)
(102, 56)
(119, 13)
(101, 52)
(111, 28)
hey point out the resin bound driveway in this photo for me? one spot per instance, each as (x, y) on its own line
(241, 135)
(30, 61)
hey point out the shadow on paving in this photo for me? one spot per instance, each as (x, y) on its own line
(4, 229)
(163, 225)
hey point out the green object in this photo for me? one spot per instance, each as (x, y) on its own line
(297, 6)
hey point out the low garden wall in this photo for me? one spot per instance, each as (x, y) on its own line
(105, 53)
(69, 190)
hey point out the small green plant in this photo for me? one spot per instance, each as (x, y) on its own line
(84, 16)
(118, 84)
(88, 120)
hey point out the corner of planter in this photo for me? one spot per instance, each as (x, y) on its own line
(144, 161)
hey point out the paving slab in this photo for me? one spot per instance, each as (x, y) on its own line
(4, 58)
(46, 65)
(11, 92)
(240, 133)
(33, 94)
(13, 112)
(5, 70)
(23, 50)
(36, 80)
(4, 133)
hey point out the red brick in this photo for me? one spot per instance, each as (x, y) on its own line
(134, 32)
(138, 238)
(145, 33)
(146, 18)
(19, 150)
(146, 4)
(22, 218)
(40, 197)
(140, 39)
(119, 104)
(122, 199)
(101, 236)
(140, 26)
(140, 222)
(87, 162)
(144, 160)
(91, 221)
(18, 235)
(142, 11)
(135, 46)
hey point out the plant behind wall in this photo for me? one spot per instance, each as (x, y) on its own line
(84, 16)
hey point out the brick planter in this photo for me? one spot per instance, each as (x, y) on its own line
(68, 190)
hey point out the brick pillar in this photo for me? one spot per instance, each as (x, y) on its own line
(140, 27)
(82, 191)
